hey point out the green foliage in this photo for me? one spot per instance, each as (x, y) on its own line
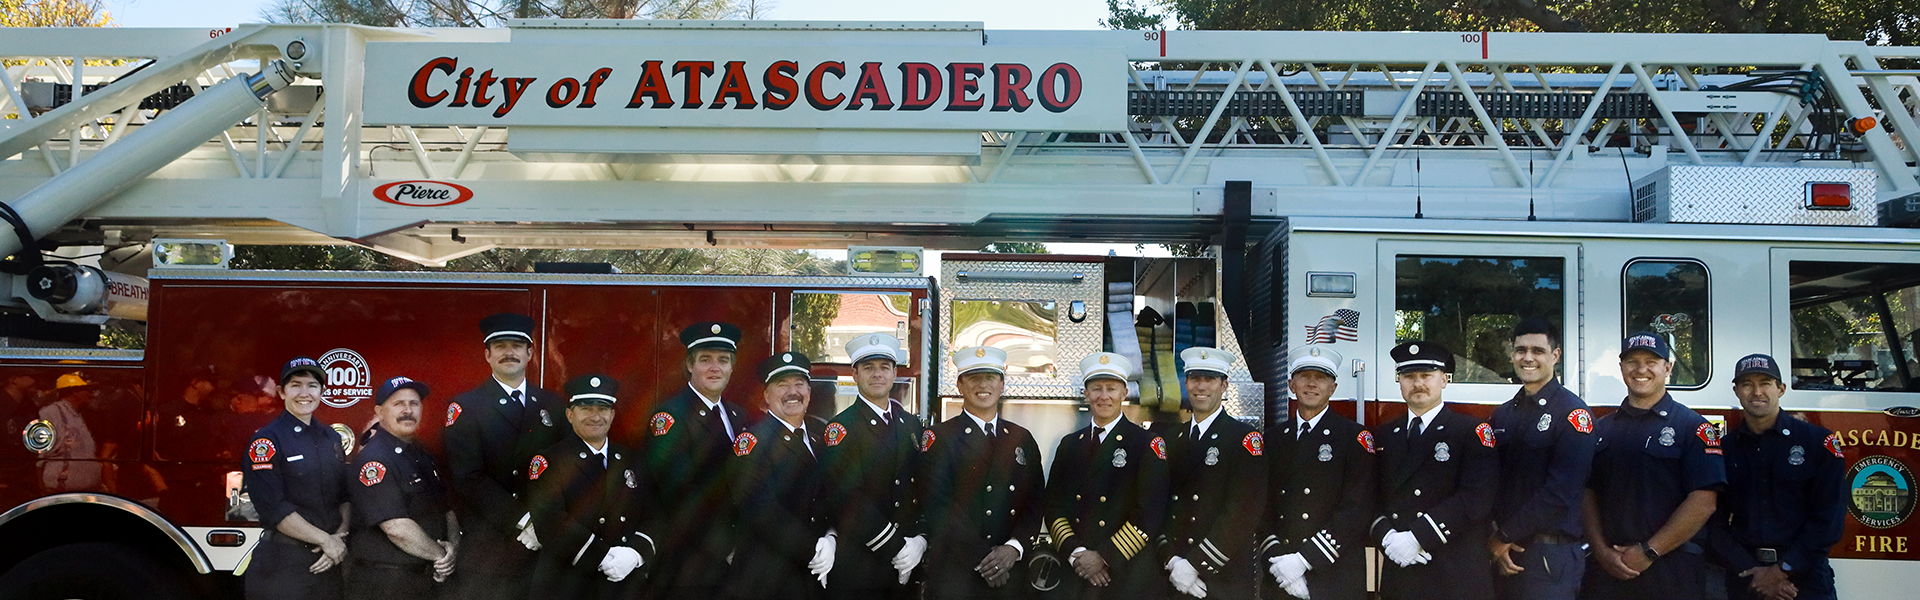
(1470, 305)
(812, 313)
(1884, 22)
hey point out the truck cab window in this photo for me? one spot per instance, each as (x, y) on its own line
(1470, 304)
(1855, 325)
(1670, 297)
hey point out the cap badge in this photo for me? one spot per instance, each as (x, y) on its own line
(1441, 452)
(1104, 359)
(982, 353)
(1315, 351)
(1203, 355)
(716, 328)
(595, 382)
(786, 358)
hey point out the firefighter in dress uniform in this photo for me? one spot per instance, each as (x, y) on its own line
(1545, 443)
(1218, 474)
(783, 552)
(589, 501)
(492, 431)
(982, 489)
(1322, 490)
(297, 480)
(1786, 494)
(1107, 500)
(688, 445)
(1437, 476)
(1657, 473)
(872, 461)
(405, 538)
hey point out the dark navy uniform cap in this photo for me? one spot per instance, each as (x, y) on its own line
(1756, 363)
(302, 364)
(1648, 341)
(784, 363)
(1421, 355)
(396, 384)
(511, 326)
(592, 389)
(719, 336)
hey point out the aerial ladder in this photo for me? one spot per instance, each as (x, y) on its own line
(373, 138)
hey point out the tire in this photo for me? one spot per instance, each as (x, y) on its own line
(93, 571)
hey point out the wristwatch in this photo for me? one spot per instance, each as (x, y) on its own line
(1647, 549)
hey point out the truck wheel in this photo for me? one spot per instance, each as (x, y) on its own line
(92, 571)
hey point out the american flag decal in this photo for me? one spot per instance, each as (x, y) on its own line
(1343, 324)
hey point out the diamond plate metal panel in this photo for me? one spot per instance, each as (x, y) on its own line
(1757, 195)
(1071, 340)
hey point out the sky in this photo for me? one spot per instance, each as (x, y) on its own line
(997, 14)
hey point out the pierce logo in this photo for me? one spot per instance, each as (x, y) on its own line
(348, 380)
(422, 193)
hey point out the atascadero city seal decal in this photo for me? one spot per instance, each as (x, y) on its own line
(1881, 492)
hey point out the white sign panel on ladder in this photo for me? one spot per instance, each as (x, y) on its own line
(951, 88)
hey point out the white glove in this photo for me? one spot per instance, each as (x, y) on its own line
(528, 539)
(1298, 588)
(1185, 578)
(909, 557)
(822, 562)
(1287, 568)
(620, 561)
(1403, 548)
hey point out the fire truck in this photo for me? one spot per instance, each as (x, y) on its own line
(1735, 193)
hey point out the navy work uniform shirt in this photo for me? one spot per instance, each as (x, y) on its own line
(1785, 492)
(394, 480)
(1546, 453)
(1645, 464)
(297, 468)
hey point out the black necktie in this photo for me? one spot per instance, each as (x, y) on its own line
(1304, 428)
(802, 434)
(1413, 429)
(1196, 431)
(516, 408)
(714, 421)
(989, 428)
(1095, 438)
(886, 416)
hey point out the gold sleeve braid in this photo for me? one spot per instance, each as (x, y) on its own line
(1130, 540)
(1061, 531)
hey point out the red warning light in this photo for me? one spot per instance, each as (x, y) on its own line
(1829, 196)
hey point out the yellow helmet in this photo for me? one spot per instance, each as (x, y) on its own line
(70, 380)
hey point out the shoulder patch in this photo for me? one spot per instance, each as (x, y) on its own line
(1581, 419)
(743, 444)
(261, 452)
(662, 423)
(1485, 432)
(453, 413)
(926, 440)
(1833, 445)
(1159, 446)
(1710, 435)
(1254, 443)
(1366, 441)
(536, 467)
(372, 472)
(835, 433)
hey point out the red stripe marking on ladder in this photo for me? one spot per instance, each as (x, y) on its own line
(1163, 43)
(1483, 44)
